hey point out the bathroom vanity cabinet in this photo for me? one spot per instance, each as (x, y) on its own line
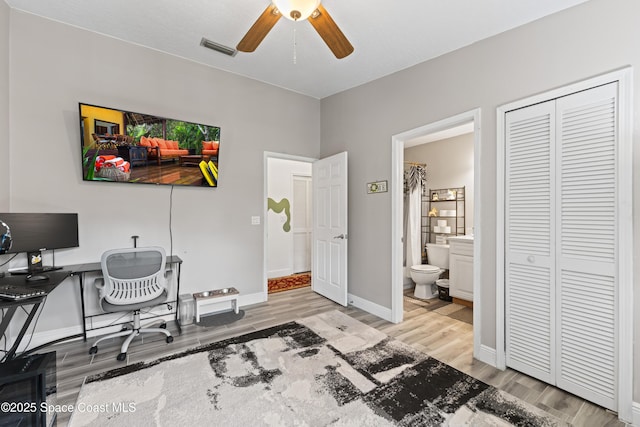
(461, 267)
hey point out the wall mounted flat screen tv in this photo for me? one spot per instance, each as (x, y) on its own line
(123, 146)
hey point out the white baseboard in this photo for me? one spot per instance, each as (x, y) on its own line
(370, 307)
(40, 338)
(635, 411)
(243, 300)
(272, 274)
(105, 327)
(250, 299)
(44, 337)
(487, 355)
(97, 327)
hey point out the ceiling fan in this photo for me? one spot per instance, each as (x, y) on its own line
(297, 10)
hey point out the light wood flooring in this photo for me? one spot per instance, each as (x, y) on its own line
(442, 337)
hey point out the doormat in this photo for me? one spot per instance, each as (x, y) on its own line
(295, 281)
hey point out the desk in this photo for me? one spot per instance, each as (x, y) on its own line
(55, 278)
(80, 270)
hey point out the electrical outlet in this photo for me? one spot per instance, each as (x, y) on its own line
(255, 220)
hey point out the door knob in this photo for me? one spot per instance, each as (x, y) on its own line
(531, 259)
(340, 236)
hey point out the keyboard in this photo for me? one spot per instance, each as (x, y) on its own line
(16, 292)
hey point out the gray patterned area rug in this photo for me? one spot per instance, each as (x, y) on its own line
(327, 369)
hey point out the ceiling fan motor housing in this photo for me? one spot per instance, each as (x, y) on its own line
(296, 9)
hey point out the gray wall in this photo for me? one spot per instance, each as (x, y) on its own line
(578, 43)
(54, 66)
(4, 106)
(449, 164)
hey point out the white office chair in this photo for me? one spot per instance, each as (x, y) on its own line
(133, 279)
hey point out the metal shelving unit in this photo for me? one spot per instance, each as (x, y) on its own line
(443, 214)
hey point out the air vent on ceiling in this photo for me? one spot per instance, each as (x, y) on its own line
(218, 47)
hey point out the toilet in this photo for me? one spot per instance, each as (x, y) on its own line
(425, 275)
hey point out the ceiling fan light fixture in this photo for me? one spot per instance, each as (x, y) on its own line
(296, 10)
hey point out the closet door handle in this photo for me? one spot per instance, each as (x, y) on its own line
(531, 259)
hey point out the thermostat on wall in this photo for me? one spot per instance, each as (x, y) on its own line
(377, 187)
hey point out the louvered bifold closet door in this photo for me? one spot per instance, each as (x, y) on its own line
(586, 283)
(529, 245)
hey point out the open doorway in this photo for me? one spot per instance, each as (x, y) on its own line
(288, 222)
(328, 220)
(438, 208)
(437, 131)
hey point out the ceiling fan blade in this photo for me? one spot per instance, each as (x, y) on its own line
(259, 29)
(330, 33)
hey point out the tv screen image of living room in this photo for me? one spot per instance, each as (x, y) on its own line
(123, 146)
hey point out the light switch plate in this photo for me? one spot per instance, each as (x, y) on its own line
(377, 187)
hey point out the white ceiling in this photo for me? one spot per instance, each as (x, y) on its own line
(388, 35)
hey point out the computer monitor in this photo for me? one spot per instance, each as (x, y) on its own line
(36, 232)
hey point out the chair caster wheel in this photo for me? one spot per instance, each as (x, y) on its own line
(169, 340)
(163, 326)
(93, 350)
(122, 356)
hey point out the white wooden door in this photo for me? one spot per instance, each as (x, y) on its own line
(586, 274)
(529, 248)
(561, 219)
(329, 253)
(301, 223)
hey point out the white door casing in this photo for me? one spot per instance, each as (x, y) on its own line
(330, 238)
